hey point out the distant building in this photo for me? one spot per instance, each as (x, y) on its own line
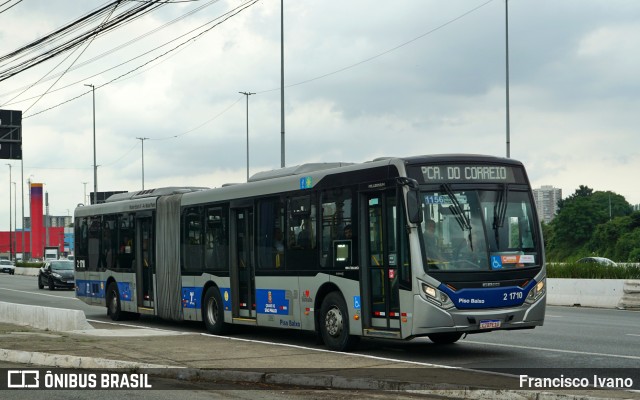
(636, 207)
(546, 198)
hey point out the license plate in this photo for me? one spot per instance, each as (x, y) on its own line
(490, 324)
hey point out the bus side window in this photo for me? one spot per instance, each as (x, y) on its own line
(301, 233)
(216, 239)
(271, 243)
(192, 239)
(336, 226)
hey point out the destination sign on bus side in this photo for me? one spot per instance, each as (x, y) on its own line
(467, 173)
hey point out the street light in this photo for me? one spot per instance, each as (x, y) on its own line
(142, 139)
(95, 165)
(247, 94)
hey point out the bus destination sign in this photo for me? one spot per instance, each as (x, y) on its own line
(470, 174)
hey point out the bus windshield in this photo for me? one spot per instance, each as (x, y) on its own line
(478, 230)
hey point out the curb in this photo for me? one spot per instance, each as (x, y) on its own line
(326, 381)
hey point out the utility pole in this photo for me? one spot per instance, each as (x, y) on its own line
(95, 165)
(281, 83)
(15, 222)
(506, 14)
(247, 94)
(10, 227)
(142, 139)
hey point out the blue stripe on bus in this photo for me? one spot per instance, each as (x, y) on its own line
(96, 289)
(192, 297)
(272, 301)
(488, 297)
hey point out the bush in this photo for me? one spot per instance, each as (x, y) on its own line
(592, 271)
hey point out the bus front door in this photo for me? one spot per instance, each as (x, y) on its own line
(145, 265)
(242, 267)
(380, 289)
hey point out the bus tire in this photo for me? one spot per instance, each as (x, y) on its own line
(445, 338)
(334, 323)
(213, 312)
(114, 309)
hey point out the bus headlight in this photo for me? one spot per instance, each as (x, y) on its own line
(536, 292)
(436, 296)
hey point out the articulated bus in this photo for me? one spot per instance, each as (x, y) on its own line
(396, 248)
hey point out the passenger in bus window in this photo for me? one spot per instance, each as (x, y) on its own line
(278, 245)
(348, 232)
(304, 237)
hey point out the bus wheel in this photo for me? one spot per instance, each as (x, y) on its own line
(113, 302)
(334, 323)
(445, 338)
(213, 311)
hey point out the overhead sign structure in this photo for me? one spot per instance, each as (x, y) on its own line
(11, 134)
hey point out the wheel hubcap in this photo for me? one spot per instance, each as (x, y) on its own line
(114, 303)
(333, 322)
(212, 311)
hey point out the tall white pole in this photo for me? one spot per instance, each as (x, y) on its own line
(142, 139)
(506, 14)
(95, 165)
(281, 83)
(247, 94)
(10, 226)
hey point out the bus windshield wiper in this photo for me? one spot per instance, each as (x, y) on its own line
(500, 211)
(458, 212)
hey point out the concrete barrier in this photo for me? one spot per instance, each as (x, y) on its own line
(53, 319)
(27, 271)
(631, 298)
(604, 293)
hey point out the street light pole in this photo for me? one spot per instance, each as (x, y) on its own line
(95, 165)
(281, 83)
(506, 14)
(15, 222)
(142, 139)
(10, 227)
(247, 94)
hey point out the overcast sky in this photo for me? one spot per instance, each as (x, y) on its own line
(364, 79)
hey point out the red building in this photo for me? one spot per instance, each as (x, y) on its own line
(56, 238)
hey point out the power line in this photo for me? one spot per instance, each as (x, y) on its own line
(237, 11)
(8, 102)
(10, 7)
(384, 52)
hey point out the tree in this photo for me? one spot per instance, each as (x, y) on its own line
(581, 225)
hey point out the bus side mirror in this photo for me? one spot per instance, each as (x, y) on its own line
(414, 207)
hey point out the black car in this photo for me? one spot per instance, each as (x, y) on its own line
(57, 273)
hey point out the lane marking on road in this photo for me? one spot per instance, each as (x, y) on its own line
(554, 350)
(40, 294)
(295, 346)
(137, 326)
(632, 334)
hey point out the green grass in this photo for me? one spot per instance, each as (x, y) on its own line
(591, 271)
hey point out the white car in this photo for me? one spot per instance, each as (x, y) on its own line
(7, 266)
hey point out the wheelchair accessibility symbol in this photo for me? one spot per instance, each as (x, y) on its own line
(496, 262)
(356, 302)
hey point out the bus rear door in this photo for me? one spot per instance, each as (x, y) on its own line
(242, 265)
(145, 265)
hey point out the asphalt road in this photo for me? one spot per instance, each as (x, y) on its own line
(571, 337)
